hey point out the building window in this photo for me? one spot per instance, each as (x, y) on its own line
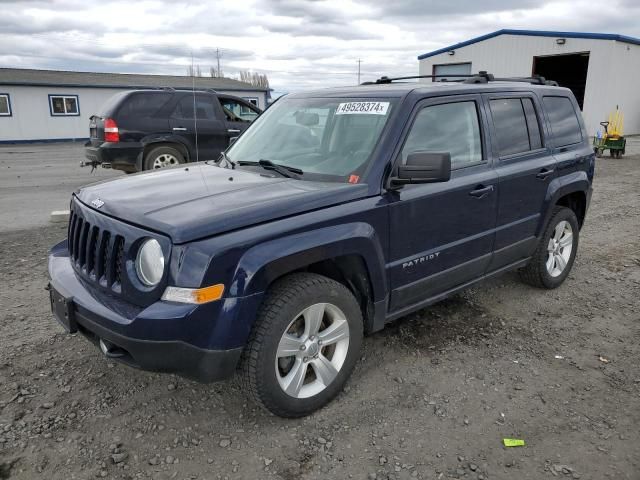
(5, 105)
(64, 105)
(253, 101)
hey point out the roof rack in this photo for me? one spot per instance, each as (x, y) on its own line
(480, 77)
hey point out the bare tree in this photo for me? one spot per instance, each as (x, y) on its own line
(194, 71)
(215, 73)
(255, 79)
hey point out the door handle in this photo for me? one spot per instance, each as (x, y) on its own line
(544, 173)
(481, 191)
(233, 130)
(179, 129)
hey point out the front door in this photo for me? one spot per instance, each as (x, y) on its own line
(525, 169)
(238, 115)
(441, 234)
(197, 119)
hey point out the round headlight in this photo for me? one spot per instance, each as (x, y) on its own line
(150, 263)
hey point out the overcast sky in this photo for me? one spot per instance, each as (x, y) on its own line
(298, 44)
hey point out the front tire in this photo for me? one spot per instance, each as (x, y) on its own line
(552, 261)
(303, 346)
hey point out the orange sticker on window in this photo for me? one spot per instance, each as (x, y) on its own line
(354, 178)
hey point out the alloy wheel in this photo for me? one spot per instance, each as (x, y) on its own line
(165, 160)
(559, 248)
(312, 350)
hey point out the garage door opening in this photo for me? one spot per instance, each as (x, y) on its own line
(568, 70)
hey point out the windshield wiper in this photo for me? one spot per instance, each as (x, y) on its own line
(283, 170)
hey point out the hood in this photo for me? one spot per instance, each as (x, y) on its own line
(201, 200)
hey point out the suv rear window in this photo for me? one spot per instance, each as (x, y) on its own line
(143, 104)
(564, 121)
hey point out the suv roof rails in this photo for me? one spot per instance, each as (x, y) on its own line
(480, 77)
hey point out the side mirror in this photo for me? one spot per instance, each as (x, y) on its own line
(232, 140)
(424, 167)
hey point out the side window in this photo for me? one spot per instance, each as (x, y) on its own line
(203, 106)
(237, 111)
(5, 105)
(510, 125)
(535, 139)
(143, 104)
(450, 127)
(564, 121)
(63, 105)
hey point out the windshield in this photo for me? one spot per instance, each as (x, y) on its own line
(328, 139)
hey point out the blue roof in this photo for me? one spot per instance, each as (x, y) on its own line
(535, 33)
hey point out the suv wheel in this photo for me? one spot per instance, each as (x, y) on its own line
(556, 252)
(161, 157)
(304, 345)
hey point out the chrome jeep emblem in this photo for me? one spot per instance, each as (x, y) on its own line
(97, 203)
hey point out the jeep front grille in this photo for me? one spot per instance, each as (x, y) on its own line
(100, 247)
(95, 252)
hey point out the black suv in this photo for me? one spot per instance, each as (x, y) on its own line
(150, 129)
(337, 212)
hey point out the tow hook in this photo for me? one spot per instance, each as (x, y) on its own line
(110, 350)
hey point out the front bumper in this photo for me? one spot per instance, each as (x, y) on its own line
(158, 338)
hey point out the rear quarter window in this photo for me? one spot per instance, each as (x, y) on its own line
(142, 104)
(563, 118)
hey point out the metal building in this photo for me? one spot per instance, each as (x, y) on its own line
(49, 105)
(601, 69)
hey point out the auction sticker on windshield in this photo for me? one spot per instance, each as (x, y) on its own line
(367, 108)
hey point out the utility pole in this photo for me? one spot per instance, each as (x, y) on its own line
(359, 62)
(218, 60)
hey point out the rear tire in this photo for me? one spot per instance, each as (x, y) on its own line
(162, 157)
(303, 346)
(553, 258)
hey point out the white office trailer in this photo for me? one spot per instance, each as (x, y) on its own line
(601, 69)
(49, 105)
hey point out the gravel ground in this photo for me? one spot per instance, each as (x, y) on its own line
(41, 177)
(432, 397)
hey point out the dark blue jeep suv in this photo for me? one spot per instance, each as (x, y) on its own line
(335, 213)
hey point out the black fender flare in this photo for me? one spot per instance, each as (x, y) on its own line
(267, 261)
(560, 187)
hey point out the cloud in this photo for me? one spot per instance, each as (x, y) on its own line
(298, 43)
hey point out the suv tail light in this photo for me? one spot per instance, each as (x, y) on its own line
(111, 133)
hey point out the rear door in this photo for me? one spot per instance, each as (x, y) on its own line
(238, 114)
(197, 119)
(441, 234)
(525, 167)
(140, 114)
(567, 134)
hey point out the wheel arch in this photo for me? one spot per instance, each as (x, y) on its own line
(569, 191)
(350, 254)
(149, 143)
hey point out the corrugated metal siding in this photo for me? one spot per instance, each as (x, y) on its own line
(613, 69)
